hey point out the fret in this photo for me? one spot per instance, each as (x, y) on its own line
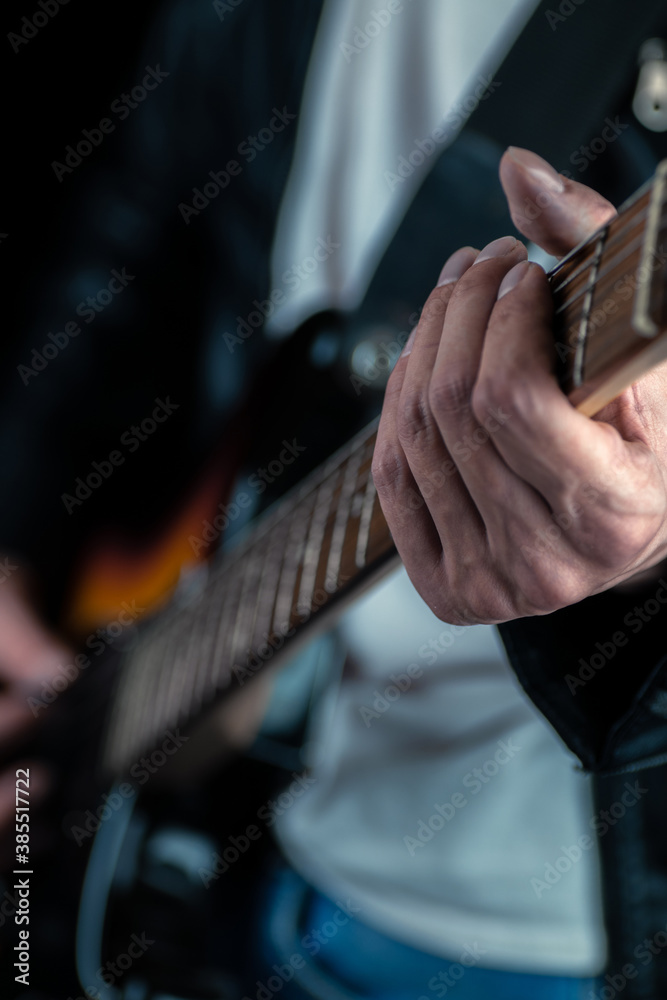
(120, 728)
(609, 264)
(214, 621)
(168, 667)
(580, 345)
(242, 632)
(612, 337)
(224, 579)
(313, 549)
(220, 661)
(268, 589)
(298, 530)
(193, 655)
(642, 322)
(181, 674)
(141, 710)
(348, 489)
(331, 526)
(133, 701)
(365, 521)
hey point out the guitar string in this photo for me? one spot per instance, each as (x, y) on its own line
(268, 591)
(602, 345)
(289, 506)
(606, 284)
(598, 286)
(341, 520)
(636, 218)
(633, 222)
(610, 263)
(153, 645)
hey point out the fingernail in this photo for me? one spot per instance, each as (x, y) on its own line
(539, 169)
(513, 277)
(456, 266)
(497, 249)
(410, 341)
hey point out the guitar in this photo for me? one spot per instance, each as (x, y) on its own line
(281, 580)
(328, 538)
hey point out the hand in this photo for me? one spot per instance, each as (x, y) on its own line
(503, 500)
(29, 656)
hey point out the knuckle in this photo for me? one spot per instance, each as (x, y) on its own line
(508, 392)
(487, 394)
(451, 391)
(475, 593)
(387, 467)
(414, 418)
(436, 304)
(546, 587)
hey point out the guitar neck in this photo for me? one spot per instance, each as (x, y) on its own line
(610, 299)
(316, 546)
(303, 556)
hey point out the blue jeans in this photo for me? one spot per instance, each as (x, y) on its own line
(312, 946)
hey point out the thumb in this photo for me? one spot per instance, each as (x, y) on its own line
(547, 208)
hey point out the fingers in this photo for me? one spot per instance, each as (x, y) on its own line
(405, 404)
(546, 207)
(540, 433)
(573, 463)
(501, 498)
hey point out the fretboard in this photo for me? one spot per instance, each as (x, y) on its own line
(313, 550)
(611, 301)
(303, 556)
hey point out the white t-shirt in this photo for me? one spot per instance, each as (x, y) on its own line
(439, 808)
(389, 777)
